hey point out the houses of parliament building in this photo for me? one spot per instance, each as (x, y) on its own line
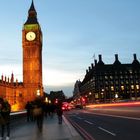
(18, 93)
(110, 82)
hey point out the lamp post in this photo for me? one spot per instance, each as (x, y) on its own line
(103, 95)
(112, 91)
(137, 88)
(116, 97)
(122, 89)
(89, 97)
(90, 93)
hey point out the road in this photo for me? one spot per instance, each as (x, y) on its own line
(107, 123)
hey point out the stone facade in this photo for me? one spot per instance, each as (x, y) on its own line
(111, 82)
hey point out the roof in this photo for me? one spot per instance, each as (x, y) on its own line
(32, 15)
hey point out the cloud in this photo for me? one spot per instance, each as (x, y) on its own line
(52, 77)
(8, 69)
(68, 90)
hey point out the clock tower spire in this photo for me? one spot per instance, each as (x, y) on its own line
(32, 54)
(32, 15)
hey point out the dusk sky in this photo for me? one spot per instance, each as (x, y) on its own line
(73, 31)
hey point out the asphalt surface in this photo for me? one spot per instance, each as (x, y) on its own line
(107, 123)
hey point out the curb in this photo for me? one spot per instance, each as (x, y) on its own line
(83, 133)
(74, 133)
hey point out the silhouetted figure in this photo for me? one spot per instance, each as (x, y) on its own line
(31, 111)
(46, 110)
(28, 107)
(38, 112)
(59, 112)
(5, 110)
(52, 110)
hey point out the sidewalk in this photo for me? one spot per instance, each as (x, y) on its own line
(51, 131)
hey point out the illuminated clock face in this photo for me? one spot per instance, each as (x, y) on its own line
(30, 36)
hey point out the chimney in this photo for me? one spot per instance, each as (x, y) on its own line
(89, 68)
(100, 57)
(116, 57)
(135, 57)
(2, 78)
(8, 80)
(5, 79)
(95, 62)
(86, 71)
(92, 65)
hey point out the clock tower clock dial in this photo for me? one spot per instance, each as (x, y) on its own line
(32, 54)
(30, 36)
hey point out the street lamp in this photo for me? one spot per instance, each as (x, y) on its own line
(46, 100)
(49, 101)
(38, 92)
(103, 95)
(116, 96)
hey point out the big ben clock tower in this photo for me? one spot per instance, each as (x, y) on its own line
(32, 55)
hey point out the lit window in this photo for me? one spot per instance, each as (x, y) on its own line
(122, 87)
(106, 88)
(131, 76)
(96, 96)
(106, 83)
(137, 86)
(126, 81)
(106, 77)
(132, 86)
(130, 71)
(112, 88)
(111, 77)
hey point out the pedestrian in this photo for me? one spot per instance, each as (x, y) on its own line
(38, 113)
(46, 109)
(52, 110)
(5, 110)
(59, 112)
(28, 108)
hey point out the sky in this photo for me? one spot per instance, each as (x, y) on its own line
(73, 32)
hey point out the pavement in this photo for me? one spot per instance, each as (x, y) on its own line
(51, 130)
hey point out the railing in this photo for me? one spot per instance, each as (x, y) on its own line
(17, 118)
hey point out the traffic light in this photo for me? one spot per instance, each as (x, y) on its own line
(83, 99)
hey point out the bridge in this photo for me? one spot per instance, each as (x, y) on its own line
(20, 129)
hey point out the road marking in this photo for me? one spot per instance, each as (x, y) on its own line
(80, 118)
(107, 131)
(88, 122)
(76, 113)
(82, 131)
(125, 117)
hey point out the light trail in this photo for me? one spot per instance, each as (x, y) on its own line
(114, 104)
